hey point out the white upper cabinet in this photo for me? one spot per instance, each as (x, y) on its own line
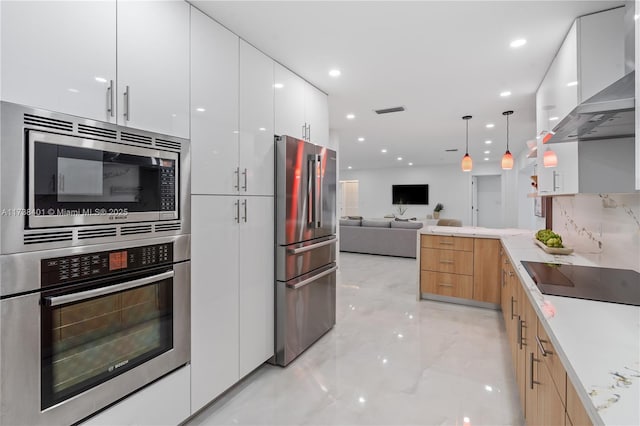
(153, 66)
(316, 115)
(60, 56)
(289, 103)
(256, 159)
(214, 107)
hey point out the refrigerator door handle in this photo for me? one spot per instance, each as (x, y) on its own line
(312, 246)
(318, 206)
(311, 191)
(312, 279)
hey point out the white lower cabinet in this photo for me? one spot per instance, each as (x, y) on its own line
(164, 402)
(231, 291)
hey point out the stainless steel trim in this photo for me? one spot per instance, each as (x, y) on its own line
(237, 173)
(244, 203)
(237, 204)
(312, 246)
(531, 361)
(127, 111)
(110, 110)
(311, 279)
(245, 180)
(103, 291)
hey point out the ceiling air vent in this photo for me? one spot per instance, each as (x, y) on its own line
(389, 110)
(451, 150)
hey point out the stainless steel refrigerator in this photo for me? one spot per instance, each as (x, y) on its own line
(305, 245)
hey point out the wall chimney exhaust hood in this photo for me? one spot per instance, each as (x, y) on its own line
(608, 114)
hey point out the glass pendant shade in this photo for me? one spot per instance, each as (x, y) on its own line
(549, 159)
(467, 163)
(507, 161)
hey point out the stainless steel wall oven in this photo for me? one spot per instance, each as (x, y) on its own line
(89, 326)
(70, 181)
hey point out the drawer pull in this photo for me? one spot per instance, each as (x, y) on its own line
(447, 261)
(446, 243)
(444, 285)
(531, 371)
(542, 349)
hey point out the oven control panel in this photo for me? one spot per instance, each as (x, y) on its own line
(60, 270)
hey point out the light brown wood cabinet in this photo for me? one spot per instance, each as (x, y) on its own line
(463, 267)
(576, 412)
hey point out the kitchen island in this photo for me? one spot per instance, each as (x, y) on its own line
(597, 343)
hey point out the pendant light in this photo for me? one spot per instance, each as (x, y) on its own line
(467, 163)
(507, 158)
(549, 158)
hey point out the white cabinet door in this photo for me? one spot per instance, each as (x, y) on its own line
(289, 103)
(317, 115)
(153, 65)
(214, 297)
(214, 107)
(256, 122)
(60, 56)
(256, 283)
(561, 90)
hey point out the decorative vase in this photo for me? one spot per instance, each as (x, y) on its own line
(436, 215)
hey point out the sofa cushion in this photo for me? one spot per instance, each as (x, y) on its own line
(406, 225)
(350, 222)
(370, 223)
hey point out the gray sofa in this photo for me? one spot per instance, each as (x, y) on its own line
(386, 237)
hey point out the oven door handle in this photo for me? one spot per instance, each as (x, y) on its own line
(103, 291)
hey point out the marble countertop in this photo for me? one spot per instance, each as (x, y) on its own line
(598, 342)
(473, 231)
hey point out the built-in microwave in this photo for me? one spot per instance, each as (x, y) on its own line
(69, 181)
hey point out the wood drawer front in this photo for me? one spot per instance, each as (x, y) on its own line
(450, 261)
(447, 243)
(552, 361)
(575, 410)
(446, 284)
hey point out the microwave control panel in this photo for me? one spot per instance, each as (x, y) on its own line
(61, 270)
(167, 186)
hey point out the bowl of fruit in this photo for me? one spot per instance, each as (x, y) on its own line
(551, 242)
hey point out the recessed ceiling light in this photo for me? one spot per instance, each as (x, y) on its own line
(487, 152)
(350, 116)
(411, 164)
(553, 118)
(383, 150)
(505, 94)
(360, 139)
(200, 109)
(278, 85)
(101, 79)
(349, 167)
(486, 158)
(399, 158)
(572, 83)
(262, 129)
(466, 420)
(174, 115)
(487, 142)
(518, 42)
(490, 126)
(335, 73)
(73, 90)
(635, 17)
(235, 132)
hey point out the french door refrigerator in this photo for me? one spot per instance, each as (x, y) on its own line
(305, 245)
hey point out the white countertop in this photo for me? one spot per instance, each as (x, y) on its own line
(598, 342)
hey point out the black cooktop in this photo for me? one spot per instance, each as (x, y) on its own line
(586, 282)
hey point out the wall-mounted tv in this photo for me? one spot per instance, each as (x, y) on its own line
(410, 194)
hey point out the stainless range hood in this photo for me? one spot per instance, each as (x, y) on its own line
(606, 115)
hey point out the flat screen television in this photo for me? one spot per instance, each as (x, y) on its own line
(410, 194)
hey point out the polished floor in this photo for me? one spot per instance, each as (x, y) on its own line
(390, 360)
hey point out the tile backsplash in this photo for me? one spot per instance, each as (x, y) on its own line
(604, 228)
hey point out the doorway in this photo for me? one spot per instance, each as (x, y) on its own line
(486, 201)
(349, 198)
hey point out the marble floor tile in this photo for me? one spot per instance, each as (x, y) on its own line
(390, 360)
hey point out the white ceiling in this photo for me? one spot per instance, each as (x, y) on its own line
(439, 59)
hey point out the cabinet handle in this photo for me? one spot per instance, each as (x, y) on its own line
(446, 243)
(519, 333)
(512, 301)
(245, 180)
(309, 132)
(531, 361)
(110, 98)
(237, 173)
(447, 261)
(555, 174)
(237, 218)
(503, 280)
(542, 349)
(127, 105)
(304, 131)
(244, 204)
(444, 285)
(511, 273)
(522, 338)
